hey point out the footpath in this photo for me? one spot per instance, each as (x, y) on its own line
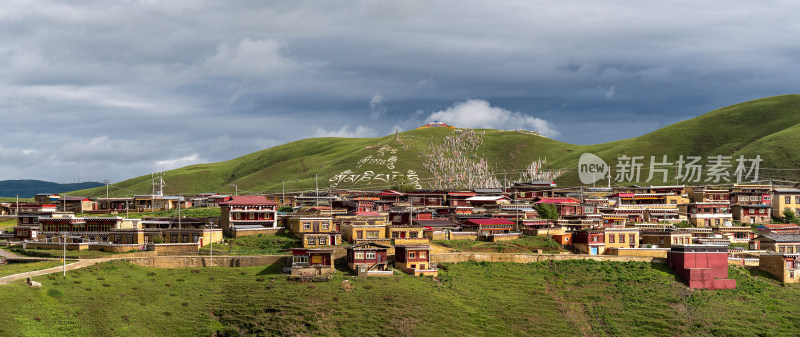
(71, 266)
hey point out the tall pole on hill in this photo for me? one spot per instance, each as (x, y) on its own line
(106, 181)
(283, 193)
(316, 184)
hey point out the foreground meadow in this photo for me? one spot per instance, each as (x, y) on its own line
(565, 298)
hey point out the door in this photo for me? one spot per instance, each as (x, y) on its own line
(316, 227)
(593, 250)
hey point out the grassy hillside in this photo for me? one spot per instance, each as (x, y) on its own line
(565, 298)
(768, 127)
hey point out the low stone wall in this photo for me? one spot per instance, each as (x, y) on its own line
(174, 248)
(530, 258)
(436, 235)
(56, 245)
(737, 261)
(651, 252)
(503, 237)
(114, 248)
(248, 232)
(205, 261)
(464, 236)
(411, 241)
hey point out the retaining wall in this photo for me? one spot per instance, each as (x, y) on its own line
(530, 258)
(205, 261)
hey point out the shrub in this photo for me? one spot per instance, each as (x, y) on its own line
(55, 293)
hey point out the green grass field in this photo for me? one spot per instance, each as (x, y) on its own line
(262, 244)
(7, 224)
(16, 268)
(565, 298)
(524, 245)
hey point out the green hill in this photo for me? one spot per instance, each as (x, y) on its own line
(768, 127)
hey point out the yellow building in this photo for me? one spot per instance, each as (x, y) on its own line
(621, 237)
(783, 199)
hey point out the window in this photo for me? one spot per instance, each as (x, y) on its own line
(611, 238)
(716, 222)
(423, 255)
(767, 198)
(312, 240)
(359, 255)
(306, 225)
(316, 259)
(762, 211)
(300, 259)
(326, 226)
(370, 255)
(412, 255)
(323, 241)
(755, 198)
(632, 238)
(622, 238)
(412, 235)
(744, 198)
(797, 199)
(238, 216)
(787, 200)
(395, 235)
(372, 234)
(251, 216)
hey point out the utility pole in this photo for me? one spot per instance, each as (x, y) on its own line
(179, 214)
(106, 181)
(64, 258)
(316, 184)
(211, 257)
(283, 193)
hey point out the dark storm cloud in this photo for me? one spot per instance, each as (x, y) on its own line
(118, 89)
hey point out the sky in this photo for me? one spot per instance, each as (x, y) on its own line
(93, 90)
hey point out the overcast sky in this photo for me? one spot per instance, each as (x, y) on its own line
(117, 89)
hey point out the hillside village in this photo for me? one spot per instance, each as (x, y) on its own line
(697, 230)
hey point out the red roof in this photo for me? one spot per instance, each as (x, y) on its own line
(496, 221)
(247, 200)
(462, 194)
(779, 226)
(556, 201)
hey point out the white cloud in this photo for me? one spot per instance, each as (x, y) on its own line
(478, 113)
(360, 132)
(170, 164)
(376, 105)
(249, 58)
(610, 92)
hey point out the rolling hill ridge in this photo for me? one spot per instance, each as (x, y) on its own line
(768, 128)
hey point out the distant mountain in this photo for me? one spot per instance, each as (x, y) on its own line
(29, 188)
(767, 127)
